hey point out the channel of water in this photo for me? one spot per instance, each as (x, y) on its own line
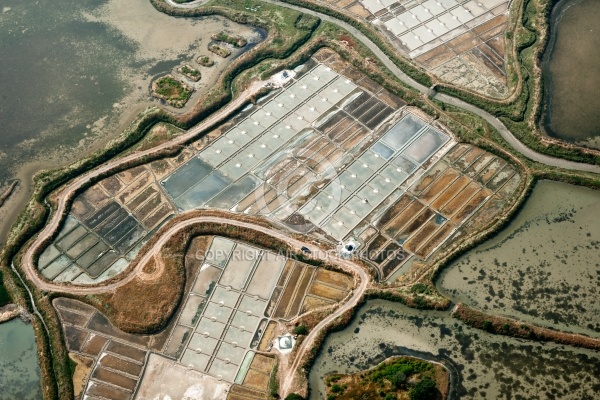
(570, 67)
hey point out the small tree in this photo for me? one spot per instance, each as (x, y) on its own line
(300, 330)
(423, 390)
(294, 396)
(487, 326)
(398, 379)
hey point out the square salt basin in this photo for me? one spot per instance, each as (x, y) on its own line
(290, 99)
(407, 19)
(475, 9)
(236, 336)
(313, 83)
(262, 118)
(385, 187)
(232, 353)
(449, 21)
(462, 14)
(203, 344)
(395, 26)
(246, 322)
(361, 170)
(263, 281)
(69, 274)
(404, 164)
(225, 297)
(336, 229)
(194, 360)
(450, 3)
(214, 329)
(254, 305)
(437, 27)
(284, 131)
(215, 156)
(406, 130)
(357, 205)
(259, 149)
(48, 256)
(223, 370)
(251, 130)
(421, 13)
(240, 138)
(318, 104)
(217, 312)
(434, 7)
(411, 41)
(344, 87)
(382, 150)
(396, 177)
(239, 266)
(324, 72)
(56, 267)
(219, 252)
(307, 112)
(374, 196)
(203, 191)
(313, 212)
(277, 109)
(372, 160)
(351, 183)
(424, 34)
(372, 5)
(296, 122)
(347, 217)
(186, 176)
(237, 167)
(426, 145)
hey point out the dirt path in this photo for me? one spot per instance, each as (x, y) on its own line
(28, 263)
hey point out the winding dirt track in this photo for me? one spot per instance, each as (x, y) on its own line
(28, 263)
(30, 269)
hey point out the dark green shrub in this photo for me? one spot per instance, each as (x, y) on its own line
(4, 296)
(294, 396)
(300, 330)
(423, 390)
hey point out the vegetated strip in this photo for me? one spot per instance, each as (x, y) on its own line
(510, 327)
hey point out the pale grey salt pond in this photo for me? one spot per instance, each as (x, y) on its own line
(19, 366)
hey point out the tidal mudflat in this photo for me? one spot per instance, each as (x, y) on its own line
(19, 367)
(483, 366)
(74, 73)
(544, 267)
(571, 68)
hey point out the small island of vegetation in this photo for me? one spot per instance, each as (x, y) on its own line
(205, 61)
(219, 50)
(171, 90)
(234, 40)
(190, 72)
(396, 378)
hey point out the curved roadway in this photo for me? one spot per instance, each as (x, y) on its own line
(28, 263)
(495, 122)
(28, 259)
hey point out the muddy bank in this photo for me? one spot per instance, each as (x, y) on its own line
(482, 365)
(570, 67)
(79, 72)
(542, 268)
